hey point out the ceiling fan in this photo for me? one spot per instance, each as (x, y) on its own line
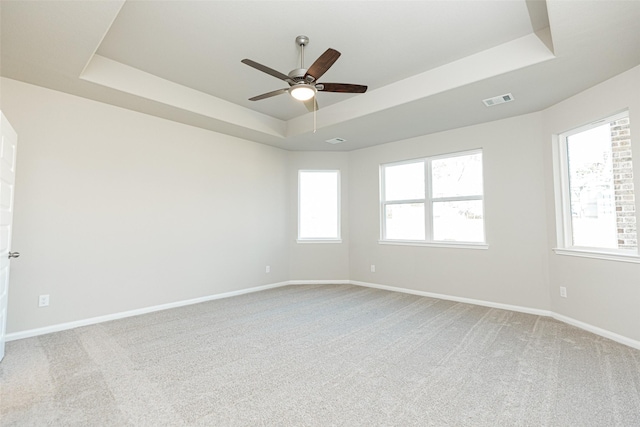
(303, 82)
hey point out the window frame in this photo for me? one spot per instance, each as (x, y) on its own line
(428, 202)
(564, 221)
(338, 238)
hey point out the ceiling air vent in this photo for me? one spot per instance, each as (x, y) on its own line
(335, 140)
(490, 102)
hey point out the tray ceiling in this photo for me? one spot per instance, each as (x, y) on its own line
(428, 64)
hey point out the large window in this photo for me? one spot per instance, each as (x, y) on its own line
(319, 205)
(595, 185)
(433, 200)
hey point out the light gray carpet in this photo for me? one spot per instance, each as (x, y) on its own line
(320, 356)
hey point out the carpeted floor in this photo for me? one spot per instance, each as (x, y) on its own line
(325, 355)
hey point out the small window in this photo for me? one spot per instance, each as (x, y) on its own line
(319, 205)
(433, 200)
(597, 199)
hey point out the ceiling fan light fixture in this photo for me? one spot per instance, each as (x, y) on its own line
(303, 92)
(303, 82)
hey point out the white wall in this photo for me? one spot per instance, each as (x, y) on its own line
(319, 261)
(513, 269)
(116, 210)
(519, 268)
(601, 293)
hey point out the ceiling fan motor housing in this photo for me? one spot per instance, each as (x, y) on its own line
(298, 74)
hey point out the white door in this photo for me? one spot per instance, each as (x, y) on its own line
(9, 141)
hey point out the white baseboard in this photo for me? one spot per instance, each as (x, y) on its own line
(320, 282)
(93, 320)
(510, 307)
(538, 312)
(598, 331)
(528, 310)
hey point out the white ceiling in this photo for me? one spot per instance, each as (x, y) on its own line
(428, 64)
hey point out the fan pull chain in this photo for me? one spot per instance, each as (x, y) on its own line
(315, 105)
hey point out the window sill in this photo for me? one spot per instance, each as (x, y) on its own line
(319, 240)
(455, 245)
(610, 256)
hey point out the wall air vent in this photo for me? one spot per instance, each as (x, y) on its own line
(335, 140)
(490, 102)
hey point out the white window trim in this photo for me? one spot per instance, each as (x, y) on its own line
(457, 245)
(338, 238)
(428, 205)
(564, 230)
(598, 254)
(316, 240)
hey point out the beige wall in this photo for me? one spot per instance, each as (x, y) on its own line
(513, 269)
(519, 268)
(602, 293)
(116, 210)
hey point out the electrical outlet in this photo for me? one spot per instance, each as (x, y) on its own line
(563, 292)
(268, 269)
(43, 301)
(373, 268)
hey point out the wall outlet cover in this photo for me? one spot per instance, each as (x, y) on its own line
(43, 300)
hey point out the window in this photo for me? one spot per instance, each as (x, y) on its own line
(595, 186)
(433, 200)
(319, 205)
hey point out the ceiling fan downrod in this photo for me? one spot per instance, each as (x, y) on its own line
(302, 41)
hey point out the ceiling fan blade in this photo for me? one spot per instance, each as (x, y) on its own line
(341, 87)
(269, 94)
(322, 64)
(311, 104)
(265, 69)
